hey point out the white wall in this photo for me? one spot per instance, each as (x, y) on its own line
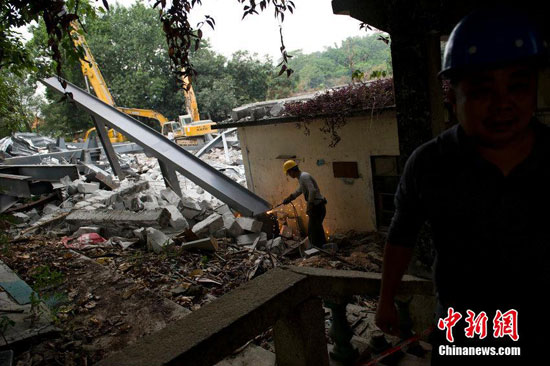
(350, 201)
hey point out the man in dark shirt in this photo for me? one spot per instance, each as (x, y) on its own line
(484, 186)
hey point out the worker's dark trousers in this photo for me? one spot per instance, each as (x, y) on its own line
(315, 230)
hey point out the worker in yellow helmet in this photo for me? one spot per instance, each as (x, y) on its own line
(316, 203)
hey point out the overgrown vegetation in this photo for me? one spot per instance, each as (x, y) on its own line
(336, 105)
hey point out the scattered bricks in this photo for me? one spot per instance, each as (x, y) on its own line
(20, 218)
(205, 205)
(156, 240)
(286, 232)
(209, 225)
(231, 225)
(169, 196)
(67, 204)
(118, 222)
(276, 245)
(49, 209)
(249, 224)
(148, 198)
(150, 205)
(107, 180)
(87, 230)
(140, 234)
(81, 204)
(210, 244)
(177, 221)
(221, 233)
(129, 189)
(72, 189)
(136, 205)
(87, 187)
(248, 239)
(189, 208)
(33, 214)
(311, 252)
(223, 209)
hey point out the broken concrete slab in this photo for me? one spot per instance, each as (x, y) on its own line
(209, 225)
(84, 187)
(157, 240)
(116, 222)
(248, 239)
(49, 209)
(150, 205)
(170, 196)
(249, 224)
(128, 188)
(189, 208)
(209, 243)
(20, 217)
(177, 221)
(223, 209)
(231, 225)
(276, 245)
(311, 252)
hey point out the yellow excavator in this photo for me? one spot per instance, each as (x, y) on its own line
(93, 78)
(189, 130)
(195, 130)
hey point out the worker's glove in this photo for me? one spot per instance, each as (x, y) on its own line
(287, 200)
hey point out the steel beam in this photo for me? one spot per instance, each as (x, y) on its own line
(200, 173)
(48, 173)
(120, 148)
(22, 186)
(213, 142)
(107, 147)
(170, 178)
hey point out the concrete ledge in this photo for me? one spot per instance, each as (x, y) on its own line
(334, 282)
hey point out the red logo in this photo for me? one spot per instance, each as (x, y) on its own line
(504, 324)
(449, 322)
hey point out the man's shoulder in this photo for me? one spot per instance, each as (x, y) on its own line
(445, 145)
(305, 175)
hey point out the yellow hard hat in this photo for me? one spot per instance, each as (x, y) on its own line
(289, 164)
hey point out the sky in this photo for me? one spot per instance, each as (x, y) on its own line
(311, 28)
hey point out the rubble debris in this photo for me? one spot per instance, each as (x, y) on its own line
(87, 230)
(210, 225)
(118, 222)
(177, 221)
(49, 209)
(209, 244)
(87, 187)
(311, 252)
(170, 196)
(157, 240)
(20, 217)
(276, 245)
(248, 239)
(249, 224)
(231, 225)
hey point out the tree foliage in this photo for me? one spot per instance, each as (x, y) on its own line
(17, 107)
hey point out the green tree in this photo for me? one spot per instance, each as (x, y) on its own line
(251, 76)
(16, 114)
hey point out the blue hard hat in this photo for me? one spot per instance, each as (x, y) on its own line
(488, 38)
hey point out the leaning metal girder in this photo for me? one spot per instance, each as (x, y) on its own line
(174, 156)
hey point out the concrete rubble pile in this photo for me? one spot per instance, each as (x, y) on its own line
(141, 210)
